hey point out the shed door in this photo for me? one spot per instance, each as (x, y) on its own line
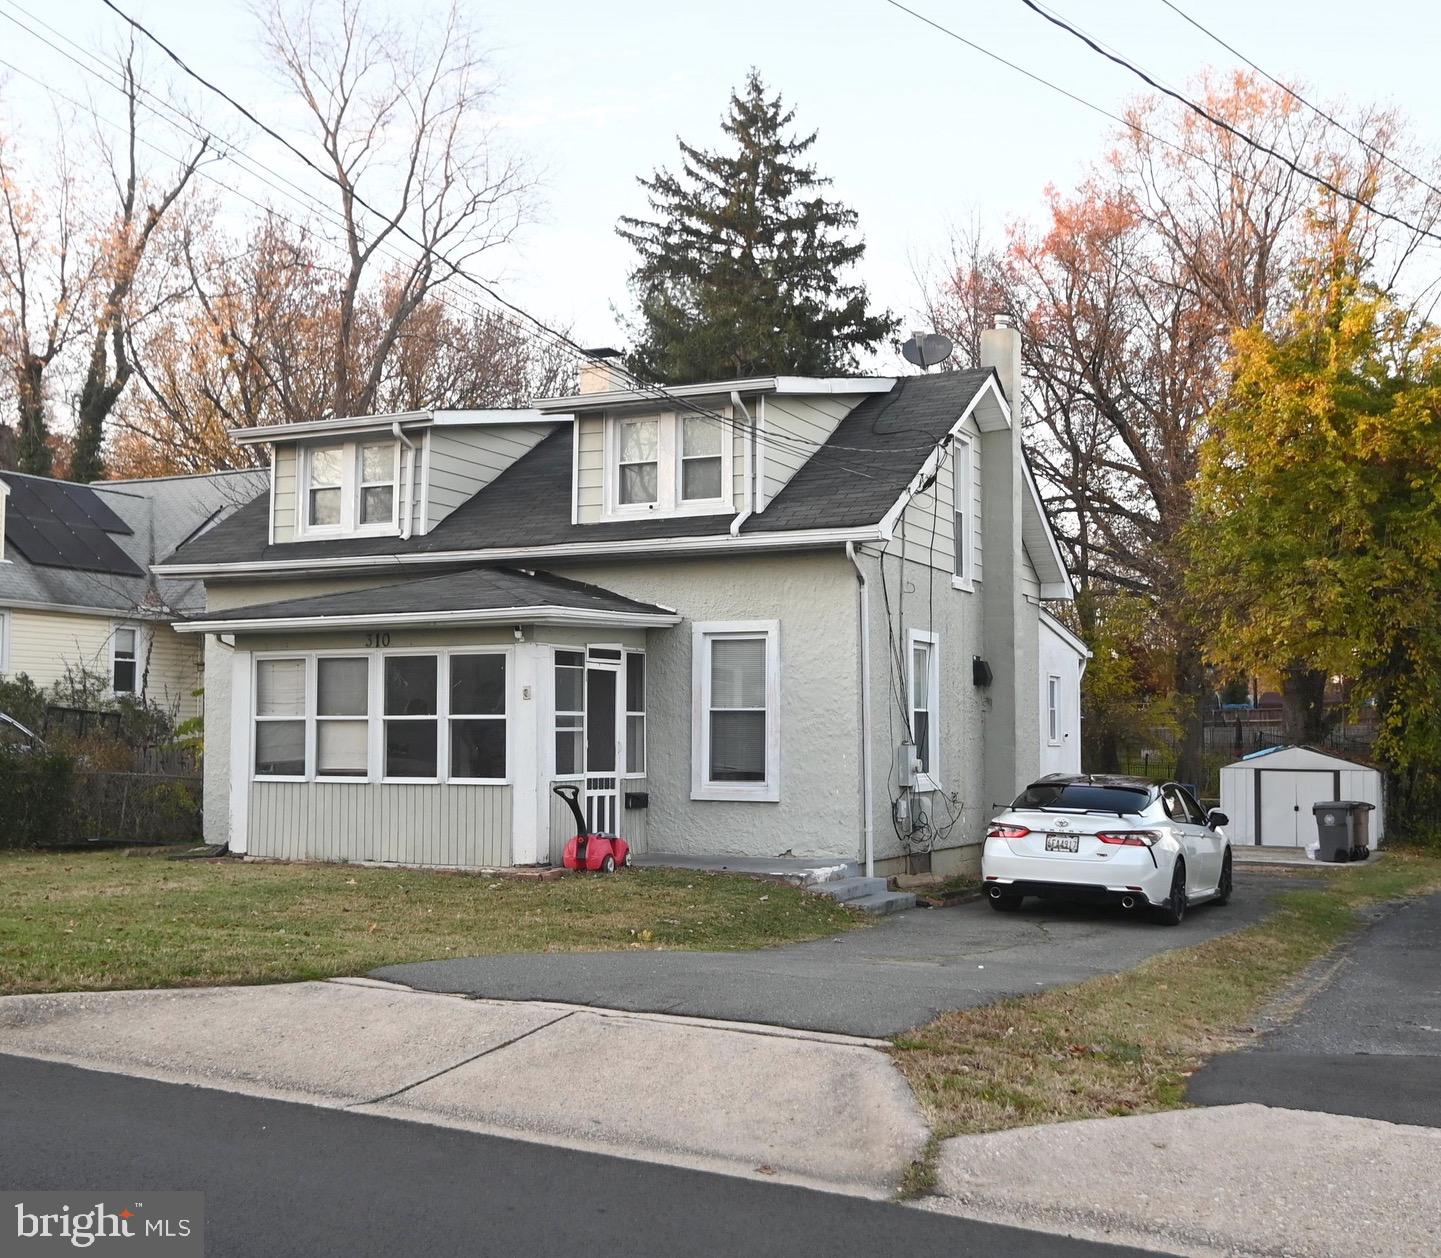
(1286, 800)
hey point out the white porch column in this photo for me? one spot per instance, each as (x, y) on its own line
(240, 762)
(529, 842)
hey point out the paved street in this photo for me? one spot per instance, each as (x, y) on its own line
(1367, 1043)
(879, 981)
(283, 1179)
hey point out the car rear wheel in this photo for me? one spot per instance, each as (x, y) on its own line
(1173, 911)
(1005, 903)
(1223, 888)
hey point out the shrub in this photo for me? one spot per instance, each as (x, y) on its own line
(34, 796)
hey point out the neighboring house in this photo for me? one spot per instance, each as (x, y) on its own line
(766, 617)
(77, 589)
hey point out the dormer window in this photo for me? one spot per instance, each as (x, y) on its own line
(667, 465)
(349, 487)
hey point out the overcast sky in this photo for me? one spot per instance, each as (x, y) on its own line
(917, 131)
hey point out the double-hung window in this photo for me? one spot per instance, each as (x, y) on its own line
(639, 462)
(736, 693)
(280, 725)
(124, 659)
(963, 518)
(668, 464)
(476, 717)
(350, 487)
(635, 713)
(412, 716)
(324, 487)
(342, 716)
(1053, 709)
(925, 707)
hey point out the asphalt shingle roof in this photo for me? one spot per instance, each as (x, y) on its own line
(472, 590)
(854, 479)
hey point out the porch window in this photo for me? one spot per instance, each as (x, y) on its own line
(377, 483)
(736, 744)
(325, 464)
(635, 713)
(123, 660)
(639, 461)
(477, 717)
(925, 706)
(569, 713)
(342, 717)
(412, 717)
(280, 718)
(700, 458)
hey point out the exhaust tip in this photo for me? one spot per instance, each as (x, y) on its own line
(1128, 902)
(995, 893)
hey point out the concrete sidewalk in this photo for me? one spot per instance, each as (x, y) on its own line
(1239, 1180)
(820, 1110)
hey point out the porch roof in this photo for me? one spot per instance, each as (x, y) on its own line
(476, 596)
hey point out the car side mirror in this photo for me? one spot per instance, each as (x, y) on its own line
(1216, 818)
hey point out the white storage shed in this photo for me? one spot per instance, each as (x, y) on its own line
(1268, 795)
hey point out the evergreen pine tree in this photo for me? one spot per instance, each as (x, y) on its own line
(742, 270)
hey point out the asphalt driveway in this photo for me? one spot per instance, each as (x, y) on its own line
(872, 982)
(1368, 1042)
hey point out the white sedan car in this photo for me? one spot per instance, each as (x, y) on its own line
(1102, 839)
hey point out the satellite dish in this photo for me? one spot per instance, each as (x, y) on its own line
(927, 349)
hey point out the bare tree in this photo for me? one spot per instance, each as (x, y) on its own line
(420, 190)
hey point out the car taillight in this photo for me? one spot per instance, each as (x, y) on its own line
(1007, 832)
(1129, 838)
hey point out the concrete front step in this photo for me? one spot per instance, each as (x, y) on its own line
(803, 873)
(885, 902)
(845, 889)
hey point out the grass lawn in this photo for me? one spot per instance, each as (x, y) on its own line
(1126, 1043)
(94, 920)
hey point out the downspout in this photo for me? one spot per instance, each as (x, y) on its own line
(409, 499)
(750, 467)
(863, 610)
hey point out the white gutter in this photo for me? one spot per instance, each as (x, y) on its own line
(409, 479)
(863, 610)
(541, 615)
(792, 539)
(749, 467)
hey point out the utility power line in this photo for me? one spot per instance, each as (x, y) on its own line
(1260, 146)
(1295, 95)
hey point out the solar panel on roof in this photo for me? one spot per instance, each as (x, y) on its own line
(58, 525)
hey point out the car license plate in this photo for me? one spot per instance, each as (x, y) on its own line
(1063, 842)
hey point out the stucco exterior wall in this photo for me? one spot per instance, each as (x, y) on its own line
(813, 598)
(1058, 659)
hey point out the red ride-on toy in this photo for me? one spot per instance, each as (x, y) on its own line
(588, 850)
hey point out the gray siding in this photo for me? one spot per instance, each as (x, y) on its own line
(791, 429)
(1030, 582)
(464, 461)
(287, 491)
(590, 469)
(932, 512)
(362, 821)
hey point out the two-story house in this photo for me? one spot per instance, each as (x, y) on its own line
(768, 617)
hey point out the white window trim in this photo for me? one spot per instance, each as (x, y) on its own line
(376, 718)
(963, 504)
(115, 627)
(627, 713)
(1053, 709)
(668, 503)
(556, 711)
(313, 717)
(350, 485)
(702, 634)
(385, 526)
(931, 780)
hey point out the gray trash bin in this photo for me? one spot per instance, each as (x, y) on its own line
(1343, 826)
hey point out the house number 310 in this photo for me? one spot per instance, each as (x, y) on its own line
(377, 639)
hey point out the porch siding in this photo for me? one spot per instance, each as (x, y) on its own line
(430, 824)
